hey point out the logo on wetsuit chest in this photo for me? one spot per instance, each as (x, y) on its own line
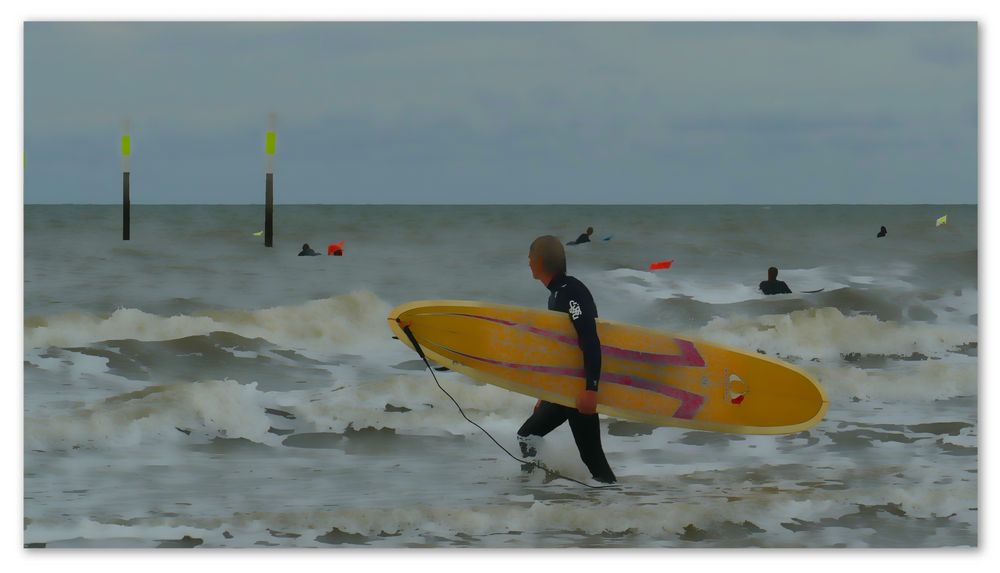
(574, 310)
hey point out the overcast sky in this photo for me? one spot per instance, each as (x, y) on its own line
(650, 113)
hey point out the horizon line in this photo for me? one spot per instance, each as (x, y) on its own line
(506, 204)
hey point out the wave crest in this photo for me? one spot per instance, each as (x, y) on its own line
(345, 319)
(827, 334)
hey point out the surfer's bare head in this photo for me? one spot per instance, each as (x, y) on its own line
(772, 274)
(590, 231)
(547, 258)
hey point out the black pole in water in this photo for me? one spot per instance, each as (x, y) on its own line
(269, 211)
(126, 200)
(269, 144)
(126, 207)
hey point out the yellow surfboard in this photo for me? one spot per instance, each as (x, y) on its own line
(647, 375)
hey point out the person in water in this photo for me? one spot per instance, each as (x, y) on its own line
(772, 285)
(547, 260)
(881, 233)
(307, 251)
(584, 238)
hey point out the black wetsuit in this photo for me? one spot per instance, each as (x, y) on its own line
(569, 295)
(308, 253)
(584, 238)
(774, 287)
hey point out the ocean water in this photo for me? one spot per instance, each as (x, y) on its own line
(192, 388)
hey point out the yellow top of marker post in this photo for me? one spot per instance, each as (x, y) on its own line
(269, 143)
(126, 145)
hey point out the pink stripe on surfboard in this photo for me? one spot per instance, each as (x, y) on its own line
(689, 355)
(690, 402)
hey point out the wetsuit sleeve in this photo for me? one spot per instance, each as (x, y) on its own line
(585, 324)
(783, 289)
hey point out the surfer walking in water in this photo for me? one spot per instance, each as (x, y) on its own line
(772, 285)
(547, 260)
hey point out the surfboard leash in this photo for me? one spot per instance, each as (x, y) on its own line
(554, 474)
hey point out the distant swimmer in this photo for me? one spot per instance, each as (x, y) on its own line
(772, 285)
(881, 233)
(308, 252)
(584, 238)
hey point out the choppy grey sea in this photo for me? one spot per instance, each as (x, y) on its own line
(192, 388)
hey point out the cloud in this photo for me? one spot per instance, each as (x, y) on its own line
(449, 104)
(785, 124)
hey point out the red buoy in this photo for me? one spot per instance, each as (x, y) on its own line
(335, 249)
(660, 265)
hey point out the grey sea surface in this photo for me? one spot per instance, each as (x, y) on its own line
(192, 388)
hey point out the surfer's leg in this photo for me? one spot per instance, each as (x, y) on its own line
(587, 434)
(546, 418)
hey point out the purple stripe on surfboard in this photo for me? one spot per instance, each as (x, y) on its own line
(690, 402)
(689, 355)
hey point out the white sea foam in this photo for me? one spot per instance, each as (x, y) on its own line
(827, 334)
(652, 286)
(923, 381)
(344, 320)
(766, 515)
(431, 412)
(214, 408)
(228, 409)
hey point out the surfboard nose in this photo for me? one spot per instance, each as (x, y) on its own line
(401, 312)
(393, 314)
(396, 314)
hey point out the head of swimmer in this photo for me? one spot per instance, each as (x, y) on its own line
(772, 274)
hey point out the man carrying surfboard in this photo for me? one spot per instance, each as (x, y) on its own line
(547, 260)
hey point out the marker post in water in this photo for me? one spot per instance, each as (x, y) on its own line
(269, 145)
(126, 200)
